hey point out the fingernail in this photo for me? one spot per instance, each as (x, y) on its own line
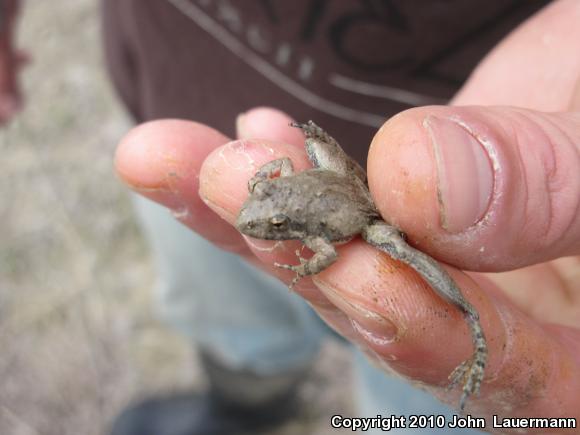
(371, 326)
(220, 185)
(241, 126)
(464, 174)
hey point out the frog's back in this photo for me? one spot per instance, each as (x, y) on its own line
(330, 204)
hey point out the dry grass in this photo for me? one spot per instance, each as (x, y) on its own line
(77, 337)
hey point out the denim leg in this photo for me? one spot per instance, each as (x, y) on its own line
(381, 394)
(246, 319)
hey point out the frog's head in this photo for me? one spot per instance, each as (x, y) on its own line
(266, 215)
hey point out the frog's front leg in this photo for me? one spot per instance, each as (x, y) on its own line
(324, 152)
(324, 256)
(281, 167)
(391, 241)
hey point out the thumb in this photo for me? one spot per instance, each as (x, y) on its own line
(486, 189)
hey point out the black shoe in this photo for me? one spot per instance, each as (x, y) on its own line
(199, 415)
(240, 402)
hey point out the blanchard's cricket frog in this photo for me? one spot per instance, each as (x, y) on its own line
(331, 203)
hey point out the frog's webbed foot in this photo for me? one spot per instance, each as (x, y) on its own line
(391, 241)
(280, 167)
(324, 256)
(470, 372)
(324, 152)
(313, 131)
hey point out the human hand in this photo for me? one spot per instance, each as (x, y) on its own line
(11, 61)
(530, 315)
(372, 300)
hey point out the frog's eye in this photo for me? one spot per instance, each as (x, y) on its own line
(279, 221)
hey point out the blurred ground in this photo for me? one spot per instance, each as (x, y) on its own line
(78, 340)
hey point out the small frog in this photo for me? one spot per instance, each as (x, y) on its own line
(331, 203)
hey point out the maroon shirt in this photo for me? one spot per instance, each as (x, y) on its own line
(347, 64)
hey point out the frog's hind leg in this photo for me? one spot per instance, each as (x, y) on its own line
(313, 131)
(471, 371)
(391, 241)
(281, 167)
(324, 152)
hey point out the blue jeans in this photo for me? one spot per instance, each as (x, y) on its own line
(250, 321)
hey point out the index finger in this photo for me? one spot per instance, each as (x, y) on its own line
(161, 160)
